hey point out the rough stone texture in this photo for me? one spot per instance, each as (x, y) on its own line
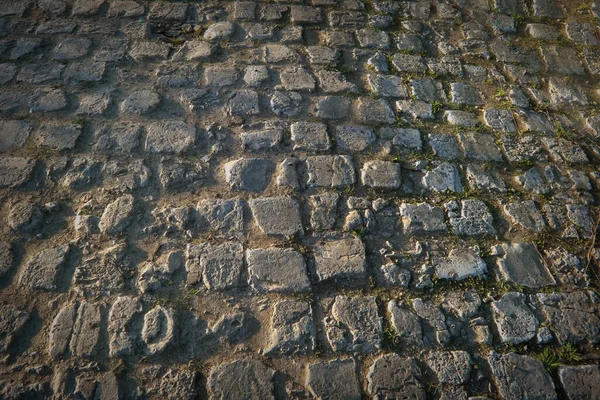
(285, 222)
(450, 367)
(340, 260)
(514, 319)
(219, 267)
(422, 218)
(581, 382)
(251, 174)
(522, 265)
(292, 329)
(355, 325)
(335, 380)
(460, 264)
(393, 376)
(329, 171)
(277, 270)
(474, 218)
(241, 379)
(12, 320)
(381, 175)
(518, 376)
(117, 216)
(42, 270)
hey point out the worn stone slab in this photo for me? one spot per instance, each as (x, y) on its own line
(522, 265)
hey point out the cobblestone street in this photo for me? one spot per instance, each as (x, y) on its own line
(299, 199)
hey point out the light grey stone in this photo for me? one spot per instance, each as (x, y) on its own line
(381, 175)
(580, 382)
(121, 330)
(405, 137)
(217, 75)
(58, 137)
(460, 118)
(47, 101)
(479, 146)
(444, 146)
(450, 367)
(86, 330)
(460, 264)
(417, 109)
(526, 214)
(25, 218)
(514, 318)
(334, 380)
(340, 260)
(391, 376)
(518, 377)
(158, 331)
(277, 270)
(443, 178)
(331, 107)
(356, 326)
(373, 111)
(329, 171)
(140, 102)
(310, 136)
(474, 219)
(354, 138)
(71, 48)
(43, 269)
(219, 31)
(241, 379)
(15, 171)
(464, 94)
(61, 330)
(297, 79)
(170, 136)
(387, 86)
(14, 134)
(422, 218)
(522, 265)
(285, 221)
(117, 216)
(406, 324)
(292, 329)
(485, 180)
(323, 211)
(286, 104)
(219, 267)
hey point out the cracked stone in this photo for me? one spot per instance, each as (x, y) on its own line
(277, 270)
(340, 260)
(219, 267)
(522, 265)
(286, 222)
(42, 270)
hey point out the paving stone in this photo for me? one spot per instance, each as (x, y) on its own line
(572, 316)
(14, 134)
(94, 104)
(334, 380)
(499, 120)
(514, 318)
(71, 48)
(433, 322)
(580, 382)
(323, 211)
(373, 111)
(25, 218)
(405, 137)
(243, 102)
(86, 330)
(356, 326)
(464, 94)
(287, 104)
(47, 101)
(140, 102)
(387, 86)
(381, 175)
(297, 78)
(305, 15)
(117, 216)
(121, 329)
(526, 214)
(427, 89)
(329, 171)
(417, 109)
(444, 146)
(256, 75)
(277, 270)
(373, 38)
(58, 137)
(443, 178)
(78, 73)
(292, 329)
(310, 136)
(474, 218)
(12, 321)
(43, 269)
(40, 73)
(533, 181)
(393, 376)
(219, 267)
(354, 138)
(480, 146)
(7, 72)
(241, 379)
(460, 264)
(335, 82)
(7, 258)
(518, 376)
(340, 260)
(562, 60)
(422, 218)
(285, 223)
(170, 136)
(522, 265)
(61, 330)
(125, 8)
(158, 330)
(484, 180)
(15, 171)
(450, 367)
(332, 107)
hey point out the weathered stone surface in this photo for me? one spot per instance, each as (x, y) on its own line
(12, 320)
(522, 265)
(140, 102)
(354, 138)
(392, 376)
(6, 258)
(170, 137)
(335, 380)
(219, 267)
(519, 376)
(580, 382)
(460, 264)
(223, 218)
(43, 269)
(443, 178)
(514, 318)
(406, 324)
(292, 329)
(387, 86)
(573, 316)
(25, 218)
(286, 222)
(310, 136)
(117, 216)
(450, 367)
(479, 146)
(422, 218)
(121, 330)
(373, 111)
(252, 174)
(464, 94)
(61, 330)
(14, 134)
(277, 270)
(297, 79)
(329, 171)
(158, 331)
(474, 218)
(381, 175)
(444, 146)
(340, 260)
(356, 326)
(86, 330)
(526, 214)
(241, 379)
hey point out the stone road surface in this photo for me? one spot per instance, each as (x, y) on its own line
(296, 199)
